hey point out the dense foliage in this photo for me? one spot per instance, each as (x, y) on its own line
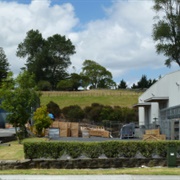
(54, 109)
(19, 99)
(100, 114)
(166, 30)
(48, 59)
(41, 119)
(144, 83)
(97, 75)
(111, 149)
(4, 65)
(73, 113)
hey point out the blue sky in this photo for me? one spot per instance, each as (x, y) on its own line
(116, 34)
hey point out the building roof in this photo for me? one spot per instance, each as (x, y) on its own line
(157, 99)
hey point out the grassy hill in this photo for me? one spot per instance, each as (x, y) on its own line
(123, 98)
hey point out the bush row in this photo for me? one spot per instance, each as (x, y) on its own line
(96, 112)
(111, 149)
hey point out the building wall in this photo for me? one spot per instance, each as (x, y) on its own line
(167, 86)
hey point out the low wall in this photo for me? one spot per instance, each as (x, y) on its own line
(83, 163)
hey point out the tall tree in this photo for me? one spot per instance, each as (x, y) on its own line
(18, 100)
(144, 83)
(99, 76)
(166, 30)
(4, 65)
(47, 58)
(122, 85)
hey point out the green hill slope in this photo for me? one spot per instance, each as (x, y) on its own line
(123, 98)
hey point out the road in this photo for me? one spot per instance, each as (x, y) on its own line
(87, 177)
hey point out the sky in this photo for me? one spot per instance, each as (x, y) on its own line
(117, 34)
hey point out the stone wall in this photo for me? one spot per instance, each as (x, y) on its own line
(83, 163)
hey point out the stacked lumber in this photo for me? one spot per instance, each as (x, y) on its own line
(153, 134)
(74, 129)
(98, 131)
(64, 129)
(67, 129)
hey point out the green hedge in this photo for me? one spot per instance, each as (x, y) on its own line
(112, 149)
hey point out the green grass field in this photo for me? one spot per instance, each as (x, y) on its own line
(123, 98)
(131, 171)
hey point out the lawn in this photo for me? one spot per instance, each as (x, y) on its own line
(131, 171)
(123, 98)
(15, 150)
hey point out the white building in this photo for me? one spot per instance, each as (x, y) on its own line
(159, 106)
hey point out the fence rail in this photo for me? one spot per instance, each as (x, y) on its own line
(91, 93)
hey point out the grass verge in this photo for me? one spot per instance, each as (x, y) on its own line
(130, 171)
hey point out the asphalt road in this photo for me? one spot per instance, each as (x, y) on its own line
(87, 177)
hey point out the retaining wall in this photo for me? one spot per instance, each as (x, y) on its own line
(83, 163)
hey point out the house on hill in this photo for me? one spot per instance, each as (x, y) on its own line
(159, 106)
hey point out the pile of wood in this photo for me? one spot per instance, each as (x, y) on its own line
(67, 129)
(153, 134)
(72, 129)
(98, 132)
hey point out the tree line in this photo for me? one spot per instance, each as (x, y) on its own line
(48, 59)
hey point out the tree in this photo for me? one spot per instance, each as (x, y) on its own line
(47, 58)
(41, 119)
(166, 31)
(143, 83)
(76, 81)
(122, 85)
(99, 76)
(4, 65)
(19, 101)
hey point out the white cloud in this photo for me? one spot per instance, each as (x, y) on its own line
(122, 41)
(17, 19)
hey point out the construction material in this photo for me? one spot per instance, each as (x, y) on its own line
(153, 135)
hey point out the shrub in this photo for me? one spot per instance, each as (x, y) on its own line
(73, 113)
(54, 109)
(111, 148)
(92, 150)
(41, 119)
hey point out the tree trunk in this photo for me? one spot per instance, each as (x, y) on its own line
(17, 134)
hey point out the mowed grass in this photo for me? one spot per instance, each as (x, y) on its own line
(15, 150)
(123, 98)
(130, 171)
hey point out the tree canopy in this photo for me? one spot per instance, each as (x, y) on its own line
(47, 58)
(4, 65)
(96, 75)
(18, 99)
(166, 30)
(143, 83)
(122, 85)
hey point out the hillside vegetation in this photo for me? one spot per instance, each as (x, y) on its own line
(123, 98)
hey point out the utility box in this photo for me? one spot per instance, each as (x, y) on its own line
(171, 156)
